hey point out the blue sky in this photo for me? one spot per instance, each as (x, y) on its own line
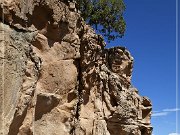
(151, 39)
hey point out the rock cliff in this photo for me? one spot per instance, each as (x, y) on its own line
(57, 78)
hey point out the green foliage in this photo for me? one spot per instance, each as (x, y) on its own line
(105, 15)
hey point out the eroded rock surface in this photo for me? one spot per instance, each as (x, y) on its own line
(57, 78)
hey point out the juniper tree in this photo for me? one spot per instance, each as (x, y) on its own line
(104, 15)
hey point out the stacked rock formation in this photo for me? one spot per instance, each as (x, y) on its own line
(57, 78)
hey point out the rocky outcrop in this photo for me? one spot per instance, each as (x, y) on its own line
(57, 78)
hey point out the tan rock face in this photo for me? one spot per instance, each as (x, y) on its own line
(58, 79)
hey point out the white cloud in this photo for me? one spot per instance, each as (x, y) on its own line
(159, 114)
(174, 134)
(171, 110)
(164, 112)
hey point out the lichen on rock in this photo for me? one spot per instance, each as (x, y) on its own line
(57, 77)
